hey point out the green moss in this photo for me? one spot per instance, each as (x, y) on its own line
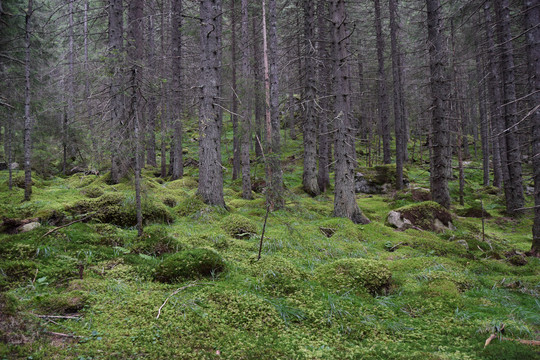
(424, 214)
(190, 205)
(15, 271)
(355, 274)
(190, 264)
(155, 241)
(238, 226)
(92, 192)
(341, 229)
(62, 303)
(381, 174)
(184, 183)
(277, 275)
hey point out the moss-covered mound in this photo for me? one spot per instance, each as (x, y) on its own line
(117, 209)
(190, 264)
(238, 226)
(156, 241)
(474, 211)
(276, 274)
(425, 214)
(357, 274)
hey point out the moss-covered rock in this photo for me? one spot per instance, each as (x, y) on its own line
(355, 274)
(238, 226)
(425, 215)
(190, 264)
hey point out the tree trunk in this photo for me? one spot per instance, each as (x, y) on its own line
(152, 102)
(247, 100)
(533, 41)
(259, 79)
(210, 168)
(70, 118)
(135, 54)
(164, 96)
(323, 175)
(177, 160)
(27, 118)
(382, 94)
(398, 114)
(345, 199)
(9, 144)
(484, 127)
(116, 29)
(274, 193)
(237, 156)
(309, 178)
(514, 187)
(500, 170)
(439, 123)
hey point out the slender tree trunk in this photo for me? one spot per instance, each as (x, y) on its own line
(70, 118)
(27, 99)
(500, 170)
(514, 188)
(484, 126)
(259, 79)
(247, 90)
(309, 178)
(177, 160)
(210, 168)
(382, 94)
(344, 197)
(439, 123)
(116, 29)
(135, 54)
(398, 114)
(164, 96)
(237, 156)
(533, 41)
(152, 101)
(323, 175)
(9, 142)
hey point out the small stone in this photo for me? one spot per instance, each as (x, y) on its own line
(14, 166)
(395, 219)
(29, 227)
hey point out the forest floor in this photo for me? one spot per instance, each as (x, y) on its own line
(320, 290)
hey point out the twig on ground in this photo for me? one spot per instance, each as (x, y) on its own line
(174, 293)
(63, 335)
(68, 224)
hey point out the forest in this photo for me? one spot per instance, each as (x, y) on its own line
(270, 179)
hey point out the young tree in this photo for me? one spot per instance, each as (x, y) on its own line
(210, 168)
(246, 91)
(344, 197)
(309, 178)
(439, 123)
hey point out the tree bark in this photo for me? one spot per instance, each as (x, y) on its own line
(398, 113)
(116, 29)
(439, 123)
(532, 15)
(344, 198)
(309, 178)
(259, 79)
(177, 160)
(152, 101)
(484, 126)
(237, 156)
(274, 193)
(210, 168)
(382, 95)
(323, 175)
(247, 100)
(27, 99)
(514, 187)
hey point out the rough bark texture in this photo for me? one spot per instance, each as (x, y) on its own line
(27, 116)
(237, 156)
(164, 96)
(309, 178)
(210, 168)
(398, 114)
(274, 192)
(246, 91)
(500, 170)
(439, 123)
(533, 41)
(382, 95)
(177, 161)
(116, 30)
(513, 189)
(323, 175)
(345, 198)
(152, 101)
(135, 54)
(259, 79)
(484, 126)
